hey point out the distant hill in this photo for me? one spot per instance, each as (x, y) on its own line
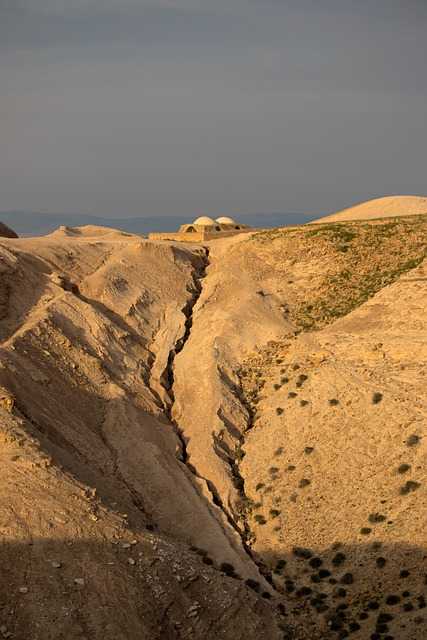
(35, 224)
(387, 207)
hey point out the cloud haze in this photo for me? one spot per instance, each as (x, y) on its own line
(151, 107)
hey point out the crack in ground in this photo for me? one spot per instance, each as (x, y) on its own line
(167, 379)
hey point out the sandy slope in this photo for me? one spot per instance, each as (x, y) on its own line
(336, 464)
(389, 206)
(84, 373)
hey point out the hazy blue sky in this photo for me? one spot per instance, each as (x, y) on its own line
(146, 107)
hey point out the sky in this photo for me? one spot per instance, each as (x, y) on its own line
(164, 107)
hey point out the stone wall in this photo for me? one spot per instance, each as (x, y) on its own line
(197, 236)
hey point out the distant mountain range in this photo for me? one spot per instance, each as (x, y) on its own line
(29, 224)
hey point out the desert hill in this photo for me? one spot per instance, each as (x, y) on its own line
(193, 437)
(387, 207)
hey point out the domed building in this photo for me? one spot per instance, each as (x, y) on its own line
(203, 228)
(208, 225)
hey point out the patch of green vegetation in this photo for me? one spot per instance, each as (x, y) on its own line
(379, 255)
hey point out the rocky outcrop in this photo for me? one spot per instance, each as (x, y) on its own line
(7, 232)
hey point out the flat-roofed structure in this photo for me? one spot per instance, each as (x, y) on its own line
(203, 229)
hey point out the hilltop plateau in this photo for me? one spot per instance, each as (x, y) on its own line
(387, 207)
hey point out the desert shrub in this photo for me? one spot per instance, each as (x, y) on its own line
(304, 483)
(301, 379)
(303, 403)
(413, 440)
(274, 470)
(274, 513)
(284, 380)
(291, 467)
(403, 468)
(377, 397)
(292, 394)
(302, 552)
(324, 573)
(392, 600)
(376, 517)
(380, 562)
(252, 584)
(308, 450)
(333, 402)
(260, 519)
(409, 486)
(278, 451)
(315, 563)
(259, 486)
(281, 564)
(365, 531)
(276, 386)
(279, 411)
(227, 568)
(338, 559)
(289, 586)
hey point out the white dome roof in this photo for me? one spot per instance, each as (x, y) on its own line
(204, 220)
(225, 220)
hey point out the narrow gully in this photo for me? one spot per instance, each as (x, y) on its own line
(168, 384)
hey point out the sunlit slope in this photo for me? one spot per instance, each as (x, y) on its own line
(387, 207)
